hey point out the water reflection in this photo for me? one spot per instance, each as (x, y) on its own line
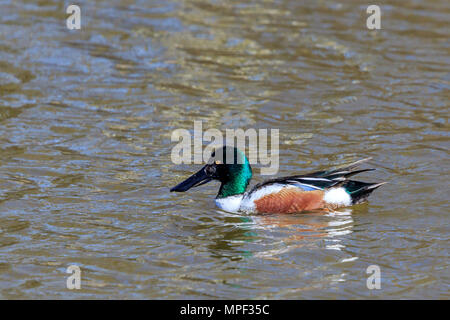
(278, 234)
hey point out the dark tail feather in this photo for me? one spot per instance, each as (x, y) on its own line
(342, 176)
(350, 167)
(342, 171)
(360, 191)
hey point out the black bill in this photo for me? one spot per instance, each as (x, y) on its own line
(201, 177)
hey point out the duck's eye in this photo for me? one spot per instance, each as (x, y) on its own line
(210, 169)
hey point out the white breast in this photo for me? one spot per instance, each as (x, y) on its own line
(231, 203)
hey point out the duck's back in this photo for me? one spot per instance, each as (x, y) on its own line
(318, 190)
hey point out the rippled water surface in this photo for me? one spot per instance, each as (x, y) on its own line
(86, 119)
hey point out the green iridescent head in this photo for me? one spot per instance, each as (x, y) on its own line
(228, 165)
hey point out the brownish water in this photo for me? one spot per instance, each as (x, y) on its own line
(86, 119)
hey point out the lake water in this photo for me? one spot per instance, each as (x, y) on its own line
(86, 118)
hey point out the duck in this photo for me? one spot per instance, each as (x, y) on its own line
(326, 190)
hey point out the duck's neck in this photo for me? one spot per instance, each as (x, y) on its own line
(236, 183)
(231, 188)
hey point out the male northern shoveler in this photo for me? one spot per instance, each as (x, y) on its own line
(318, 190)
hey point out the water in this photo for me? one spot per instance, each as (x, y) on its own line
(85, 139)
